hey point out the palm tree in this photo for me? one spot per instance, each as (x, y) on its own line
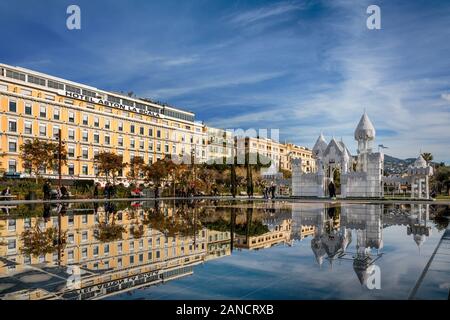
(428, 157)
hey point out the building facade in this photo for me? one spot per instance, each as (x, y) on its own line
(36, 105)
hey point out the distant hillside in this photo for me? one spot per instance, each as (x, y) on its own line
(396, 165)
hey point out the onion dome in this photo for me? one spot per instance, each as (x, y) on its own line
(365, 129)
(420, 162)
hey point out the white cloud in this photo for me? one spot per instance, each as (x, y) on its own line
(262, 13)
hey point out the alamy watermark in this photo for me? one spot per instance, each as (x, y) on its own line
(73, 21)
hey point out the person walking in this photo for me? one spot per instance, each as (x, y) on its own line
(106, 191)
(96, 190)
(332, 189)
(46, 189)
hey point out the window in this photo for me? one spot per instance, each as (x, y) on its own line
(158, 133)
(166, 148)
(71, 134)
(55, 132)
(141, 130)
(42, 130)
(84, 253)
(70, 255)
(132, 128)
(132, 145)
(96, 122)
(42, 112)
(12, 126)
(84, 170)
(71, 117)
(12, 145)
(120, 141)
(141, 258)
(55, 85)
(107, 124)
(106, 249)
(150, 256)
(158, 254)
(119, 247)
(95, 251)
(85, 136)
(28, 109)
(119, 262)
(141, 144)
(15, 75)
(36, 80)
(89, 93)
(11, 245)
(96, 137)
(85, 153)
(70, 238)
(150, 132)
(107, 140)
(85, 119)
(120, 126)
(73, 89)
(12, 225)
(158, 147)
(12, 106)
(28, 128)
(70, 220)
(71, 151)
(71, 169)
(150, 145)
(131, 245)
(55, 114)
(131, 259)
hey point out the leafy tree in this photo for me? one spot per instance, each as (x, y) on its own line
(158, 172)
(441, 179)
(38, 155)
(109, 164)
(137, 167)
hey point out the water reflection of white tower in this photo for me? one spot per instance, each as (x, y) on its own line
(417, 226)
(330, 239)
(366, 220)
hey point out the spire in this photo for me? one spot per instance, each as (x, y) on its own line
(320, 146)
(365, 129)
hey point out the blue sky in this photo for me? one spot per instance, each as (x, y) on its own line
(299, 66)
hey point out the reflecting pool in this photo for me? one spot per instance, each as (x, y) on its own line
(204, 249)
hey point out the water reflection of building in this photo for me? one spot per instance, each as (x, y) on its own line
(142, 256)
(278, 225)
(334, 227)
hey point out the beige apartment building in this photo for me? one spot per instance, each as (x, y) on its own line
(37, 105)
(280, 154)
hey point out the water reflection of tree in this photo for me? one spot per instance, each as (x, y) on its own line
(107, 230)
(183, 221)
(440, 215)
(249, 228)
(37, 242)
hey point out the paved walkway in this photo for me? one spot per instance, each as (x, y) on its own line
(434, 283)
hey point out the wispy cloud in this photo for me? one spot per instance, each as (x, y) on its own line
(265, 12)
